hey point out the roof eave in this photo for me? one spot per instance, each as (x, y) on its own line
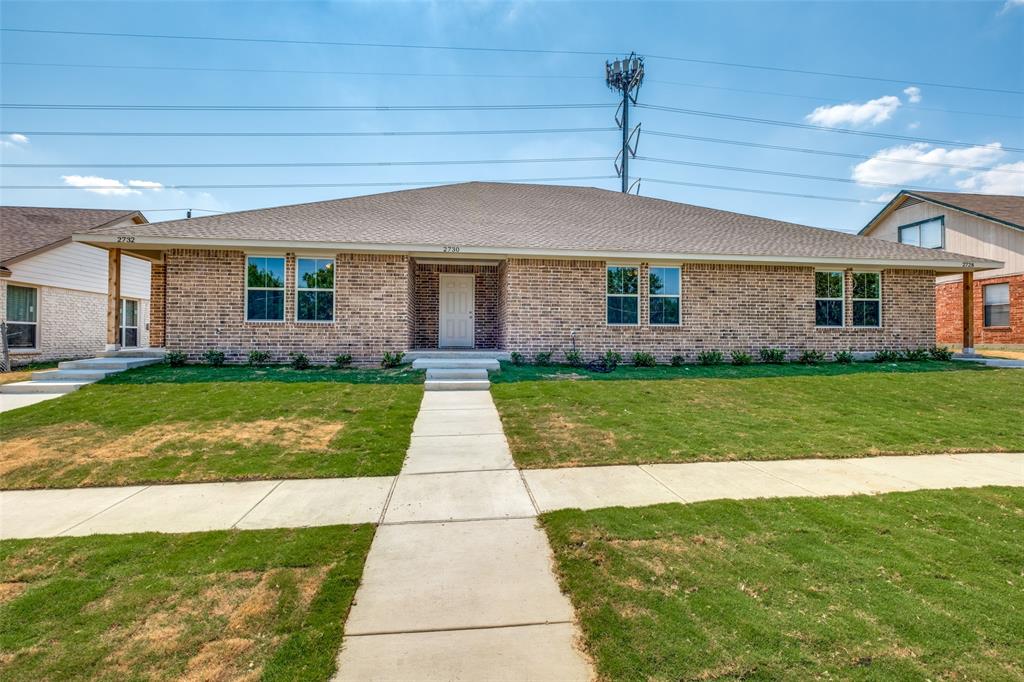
(433, 251)
(891, 206)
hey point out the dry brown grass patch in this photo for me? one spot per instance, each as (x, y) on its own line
(11, 590)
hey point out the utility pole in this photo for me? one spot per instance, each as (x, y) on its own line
(626, 76)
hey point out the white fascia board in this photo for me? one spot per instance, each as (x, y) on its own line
(435, 251)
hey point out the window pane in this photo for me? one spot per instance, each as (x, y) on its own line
(21, 335)
(622, 280)
(828, 313)
(325, 305)
(129, 337)
(622, 310)
(21, 304)
(997, 305)
(866, 314)
(828, 285)
(266, 305)
(315, 273)
(265, 272)
(665, 310)
(865, 284)
(997, 294)
(911, 235)
(664, 281)
(130, 314)
(931, 234)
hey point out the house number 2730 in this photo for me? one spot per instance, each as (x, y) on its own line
(451, 249)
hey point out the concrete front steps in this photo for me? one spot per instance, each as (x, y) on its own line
(457, 370)
(71, 375)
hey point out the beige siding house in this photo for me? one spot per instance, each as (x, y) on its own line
(53, 291)
(525, 268)
(978, 225)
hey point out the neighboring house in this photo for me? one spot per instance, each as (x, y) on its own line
(54, 291)
(980, 225)
(525, 268)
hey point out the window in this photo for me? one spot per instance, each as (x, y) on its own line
(314, 298)
(997, 305)
(927, 233)
(22, 323)
(867, 299)
(828, 299)
(623, 296)
(664, 295)
(129, 323)
(264, 288)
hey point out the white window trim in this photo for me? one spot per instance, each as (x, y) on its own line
(1009, 296)
(39, 299)
(245, 274)
(879, 299)
(841, 299)
(607, 295)
(679, 296)
(333, 289)
(137, 327)
(917, 225)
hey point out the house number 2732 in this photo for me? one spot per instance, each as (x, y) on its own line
(451, 249)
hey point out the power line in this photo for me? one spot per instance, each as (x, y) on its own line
(246, 107)
(300, 185)
(787, 174)
(356, 133)
(810, 126)
(462, 48)
(824, 152)
(168, 210)
(314, 164)
(763, 191)
(527, 76)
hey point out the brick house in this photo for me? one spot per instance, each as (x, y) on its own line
(525, 268)
(53, 292)
(979, 225)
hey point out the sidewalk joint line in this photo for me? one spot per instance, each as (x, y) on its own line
(258, 502)
(458, 629)
(387, 500)
(753, 465)
(459, 471)
(105, 509)
(660, 482)
(533, 500)
(472, 520)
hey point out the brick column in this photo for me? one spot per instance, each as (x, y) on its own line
(157, 305)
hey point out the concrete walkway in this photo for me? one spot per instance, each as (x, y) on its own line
(458, 584)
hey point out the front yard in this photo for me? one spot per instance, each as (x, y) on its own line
(903, 586)
(558, 416)
(240, 605)
(159, 424)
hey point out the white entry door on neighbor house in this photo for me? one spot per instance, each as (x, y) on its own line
(455, 317)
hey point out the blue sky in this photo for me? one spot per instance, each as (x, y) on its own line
(918, 45)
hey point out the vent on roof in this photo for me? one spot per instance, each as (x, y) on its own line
(910, 201)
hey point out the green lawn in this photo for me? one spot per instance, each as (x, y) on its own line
(205, 424)
(903, 586)
(190, 374)
(760, 412)
(245, 605)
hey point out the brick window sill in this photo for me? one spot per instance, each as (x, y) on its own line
(998, 329)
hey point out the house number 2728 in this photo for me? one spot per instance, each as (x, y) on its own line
(451, 249)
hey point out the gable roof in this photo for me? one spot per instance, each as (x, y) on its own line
(1006, 209)
(25, 230)
(522, 219)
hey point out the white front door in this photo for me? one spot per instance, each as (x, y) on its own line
(455, 317)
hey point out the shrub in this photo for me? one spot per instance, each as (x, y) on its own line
(606, 363)
(214, 358)
(543, 358)
(886, 355)
(342, 361)
(710, 357)
(258, 358)
(914, 354)
(844, 357)
(299, 361)
(517, 358)
(740, 358)
(811, 357)
(678, 361)
(392, 359)
(573, 358)
(772, 356)
(176, 358)
(941, 353)
(642, 359)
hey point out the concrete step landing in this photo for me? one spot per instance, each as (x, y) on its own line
(114, 363)
(456, 363)
(457, 385)
(44, 386)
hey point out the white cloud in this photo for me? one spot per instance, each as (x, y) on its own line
(871, 112)
(14, 140)
(109, 186)
(145, 184)
(914, 125)
(996, 181)
(1010, 4)
(913, 94)
(881, 167)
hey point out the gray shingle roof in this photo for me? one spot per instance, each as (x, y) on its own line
(531, 217)
(1005, 208)
(24, 229)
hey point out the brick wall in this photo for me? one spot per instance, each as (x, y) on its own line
(206, 308)
(72, 324)
(949, 313)
(158, 302)
(723, 307)
(427, 285)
